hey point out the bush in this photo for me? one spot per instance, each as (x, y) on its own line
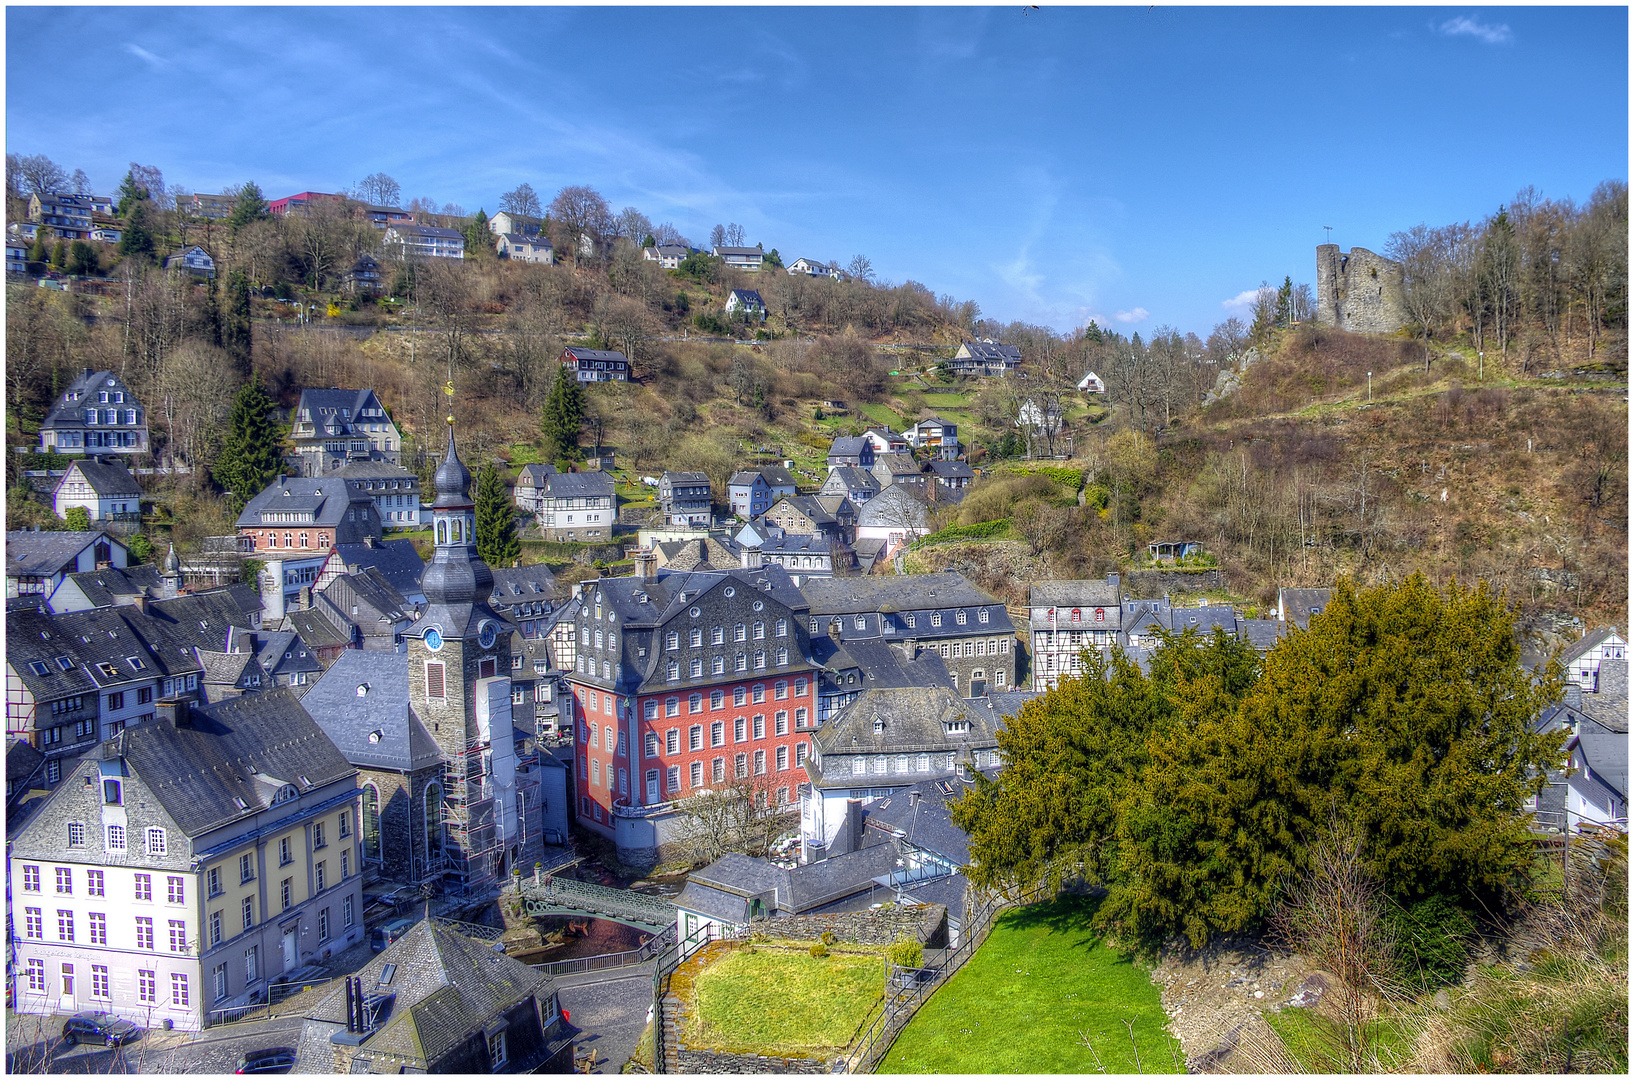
(828, 937)
(819, 950)
(982, 530)
(1432, 941)
(905, 952)
(78, 519)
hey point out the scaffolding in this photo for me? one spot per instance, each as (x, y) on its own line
(471, 831)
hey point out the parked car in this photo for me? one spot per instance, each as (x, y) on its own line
(384, 935)
(97, 1028)
(272, 1059)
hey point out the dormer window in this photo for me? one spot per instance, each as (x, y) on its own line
(1100, 614)
(879, 726)
(936, 618)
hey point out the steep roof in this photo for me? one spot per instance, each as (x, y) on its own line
(70, 408)
(45, 553)
(283, 650)
(108, 481)
(1607, 757)
(1070, 593)
(362, 704)
(316, 627)
(849, 446)
(914, 592)
(993, 351)
(896, 506)
(921, 817)
(326, 498)
(522, 584)
(1586, 642)
(396, 560)
(909, 719)
(1298, 605)
(534, 475)
(242, 748)
(447, 988)
(106, 587)
(580, 485)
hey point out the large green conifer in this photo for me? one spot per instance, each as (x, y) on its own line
(253, 451)
(497, 544)
(564, 414)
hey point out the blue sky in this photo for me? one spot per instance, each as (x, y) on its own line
(1142, 166)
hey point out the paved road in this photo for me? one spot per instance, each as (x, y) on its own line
(611, 1012)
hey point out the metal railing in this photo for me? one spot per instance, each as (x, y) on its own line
(906, 989)
(606, 961)
(668, 961)
(257, 1011)
(617, 904)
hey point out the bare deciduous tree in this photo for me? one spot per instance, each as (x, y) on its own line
(378, 189)
(521, 199)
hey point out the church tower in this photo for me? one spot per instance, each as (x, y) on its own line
(459, 663)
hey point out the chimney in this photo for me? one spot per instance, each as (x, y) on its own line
(368, 541)
(140, 602)
(173, 711)
(351, 1008)
(646, 565)
(1574, 695)
(752, 558)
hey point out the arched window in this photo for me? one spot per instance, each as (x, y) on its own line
(1077, 615)
(434, 818)
(1100, 614)
(371, 822)
(442, 532)
(457, 533)
(289, 540)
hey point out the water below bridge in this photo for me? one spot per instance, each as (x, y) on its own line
(598, 936)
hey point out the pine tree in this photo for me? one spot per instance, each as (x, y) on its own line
(497, 544)
(564, 414)
(249, 206)
(253, 452)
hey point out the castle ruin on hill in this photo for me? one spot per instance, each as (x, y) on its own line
(1360, 291)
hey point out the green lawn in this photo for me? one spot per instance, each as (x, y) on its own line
(772, 1000)
(945, 401)
(1039, 986)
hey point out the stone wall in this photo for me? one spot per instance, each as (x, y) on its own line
(925, 923)
(1360, 291)
(717, 1063)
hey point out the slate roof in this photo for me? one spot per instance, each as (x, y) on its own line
(952, 470)
(796, 544)
(1205, 619)
(22, 760)
(70, 413)
(728, 883)
(578, 353)
(1084, 593)
(108, 481)
(522, 585)
(1607, 757)
(396, 560)
(271, 647)
(1263, 634)
(1610, 711)
(327, 498)
(370, 592)
(895, 507)
(808, 505)
(534, 475)
(580, 485)
(914, 719)
(222, 668)
(898, 464)
(45, 553)
(849, 446)
(374, 470)
(202, 619)
(777, 476)
(1585, 643)
(920, 817)
(447, 988)
(694, 555)
(376, 729)
(685, 479)
(749, 297)
(1007, 703)
(317, 628)
(945, 592)
(105, 588)
(1297, 604)
(241, 748)
(993, 351)
(948, 890)
(326, 405)
(745, 478)
(850, 478)
(88, 639)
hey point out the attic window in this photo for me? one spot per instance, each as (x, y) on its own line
(136, 663)
(304, 781)
(879, 726)
(65, 663)
(386, 974)
(362, 689)
(39, 667)
(108, 669)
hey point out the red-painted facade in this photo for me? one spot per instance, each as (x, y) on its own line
(660, 758)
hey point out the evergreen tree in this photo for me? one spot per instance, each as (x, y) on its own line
(235, 323)
(81, 258)
(59, 254)
(497, 544)
(249, 206)
(41, 251)
(130, 193)
(564, 414)
(477, 236)
(253, 452)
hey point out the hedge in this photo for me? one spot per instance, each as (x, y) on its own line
(982, 530)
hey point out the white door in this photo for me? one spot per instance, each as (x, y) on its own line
(289, 949)
(652, 786)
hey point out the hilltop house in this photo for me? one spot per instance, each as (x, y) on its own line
(97, 414)
(936, 435)
(985, 357)
(1582, 660)
(668, 256)
(194, 260)
(746, 259)
(1092, 383)
(747, 301)
(411, 241)
(531, 481)
(334, 427)
(596, 365)
(364, 277)
(526, 247)
(577, 506)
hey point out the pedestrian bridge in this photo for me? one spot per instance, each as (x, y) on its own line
(566, 896)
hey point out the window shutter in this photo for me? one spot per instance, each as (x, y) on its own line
(434, 680)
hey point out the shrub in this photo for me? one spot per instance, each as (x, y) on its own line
(828, 937)
(819, 950)
(1432, 941)
(1097, 496)
(905, 952)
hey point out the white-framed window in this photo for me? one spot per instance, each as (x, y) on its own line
(496, 1049)
(156, 840)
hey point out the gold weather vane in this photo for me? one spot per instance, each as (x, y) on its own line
(448, 388)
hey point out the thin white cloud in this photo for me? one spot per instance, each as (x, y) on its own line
(1134, 315)
(1242, 301)
(142, 54)
(1464, 26)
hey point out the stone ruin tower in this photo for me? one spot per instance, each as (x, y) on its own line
(1360, 292)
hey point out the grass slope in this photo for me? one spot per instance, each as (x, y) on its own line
(783, 1000)
(1041, 983)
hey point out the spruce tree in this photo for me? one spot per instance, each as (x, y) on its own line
(497, 544)
(253, 452)
(249, 206)
(564, 413)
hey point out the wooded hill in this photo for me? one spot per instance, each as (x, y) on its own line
(1510, 465)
